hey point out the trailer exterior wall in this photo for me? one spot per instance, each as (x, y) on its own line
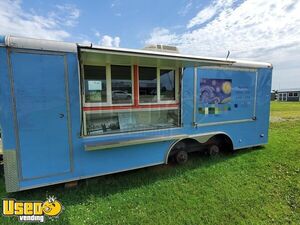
(94, 163)
(85, 164)
(2, 40)
(246, 133)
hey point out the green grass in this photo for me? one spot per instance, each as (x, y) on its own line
(283, 111)
(254, 186)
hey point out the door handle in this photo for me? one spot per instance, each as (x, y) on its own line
(61, 115)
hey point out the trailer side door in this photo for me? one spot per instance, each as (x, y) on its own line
(41, 101)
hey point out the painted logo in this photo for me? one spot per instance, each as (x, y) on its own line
(32, 211)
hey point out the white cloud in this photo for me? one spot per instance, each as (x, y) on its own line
(16, 21)
(85, 42)
(161, 36)
(183, 11)
(97, 34)
(254, 29)
(105, 40)
(117, 41)
(203, 16)
(115, 3)
(66, 14)
(109, 41)
(209, 12)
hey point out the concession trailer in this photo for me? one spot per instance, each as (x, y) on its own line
(70, 111)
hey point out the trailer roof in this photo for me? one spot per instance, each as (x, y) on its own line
(289, 90)
(39, 44)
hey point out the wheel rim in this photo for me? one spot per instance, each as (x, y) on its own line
(181, 157)
(214, 150)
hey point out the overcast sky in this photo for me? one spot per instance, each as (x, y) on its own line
(251, 29)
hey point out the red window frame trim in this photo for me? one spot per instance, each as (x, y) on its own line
(130, 107)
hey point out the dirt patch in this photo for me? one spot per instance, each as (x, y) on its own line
(277, 119)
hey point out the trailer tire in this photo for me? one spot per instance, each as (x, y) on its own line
(221, 141)
(181, 157)
(213, 150)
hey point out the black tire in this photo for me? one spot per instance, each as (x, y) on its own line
(181, 157)
(214, 150)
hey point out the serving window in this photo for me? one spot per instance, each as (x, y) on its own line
(125, 98)
(148, 84)
(158, 85)
(167, 85)
(121, 84)
(95, 84)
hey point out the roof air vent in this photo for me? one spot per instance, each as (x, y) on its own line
(162, 48)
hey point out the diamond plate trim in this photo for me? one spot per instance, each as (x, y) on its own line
(11, 170)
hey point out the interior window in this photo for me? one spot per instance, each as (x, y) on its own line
(167, 85)
(95, 84)
(148, 84)
(116, 122)
(121, 84)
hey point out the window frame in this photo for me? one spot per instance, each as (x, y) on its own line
(138, 81)
(176, 86)
(295, 94)
(108, 86)
(84, 128)
(108, 106)
(132, 86)
(159, 101)
(91, 104)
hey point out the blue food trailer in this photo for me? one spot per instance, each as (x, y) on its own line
(71, 111)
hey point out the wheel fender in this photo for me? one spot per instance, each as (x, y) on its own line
(200, 138)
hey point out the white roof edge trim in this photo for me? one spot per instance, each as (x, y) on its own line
(289, 90)
(60, 46)
(39, 44)
(246, 63)
(154, 53)
(131, 52)
(231, 62)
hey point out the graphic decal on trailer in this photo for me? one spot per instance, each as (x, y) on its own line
(214, 92)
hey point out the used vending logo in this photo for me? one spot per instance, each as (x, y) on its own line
(32, 211)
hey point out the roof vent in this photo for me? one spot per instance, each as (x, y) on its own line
(162, 48)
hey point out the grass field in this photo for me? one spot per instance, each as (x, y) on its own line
(254, 186)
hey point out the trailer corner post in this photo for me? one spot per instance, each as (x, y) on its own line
(195, 98)
(136, 85)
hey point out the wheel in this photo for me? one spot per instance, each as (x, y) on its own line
(213, 150)
(181, 157)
